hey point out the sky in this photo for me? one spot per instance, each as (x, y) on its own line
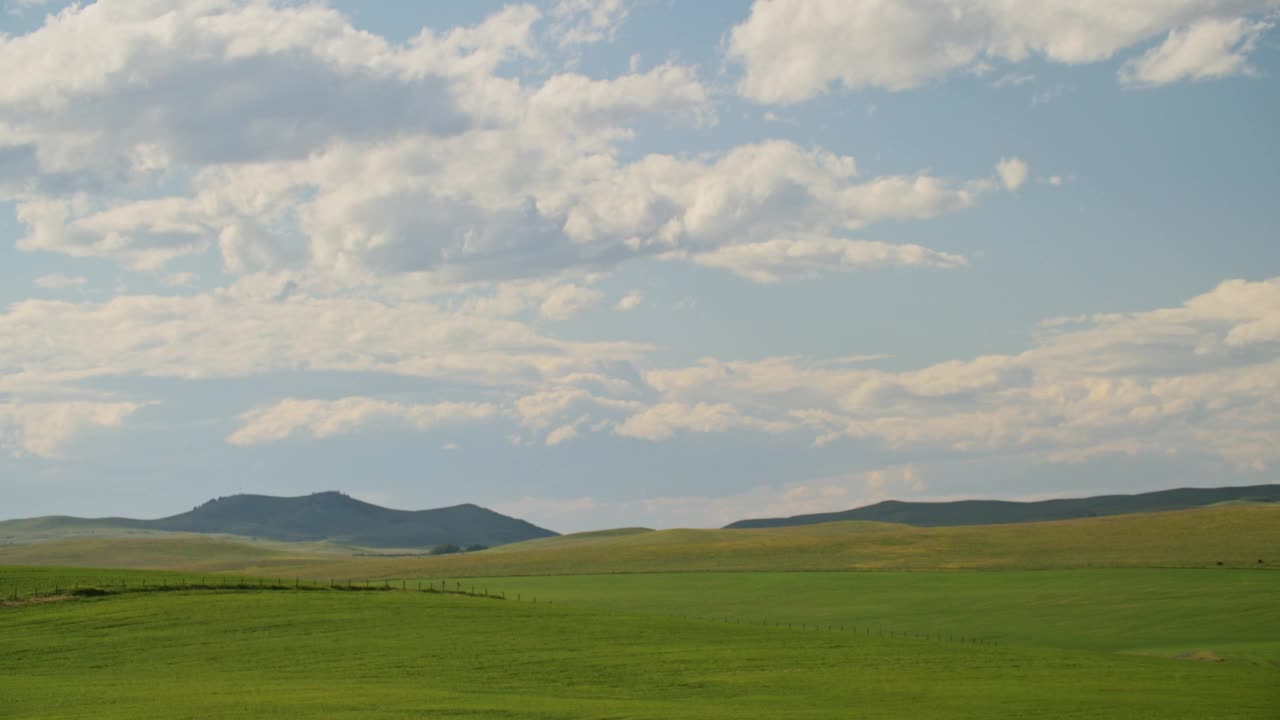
(635, 262)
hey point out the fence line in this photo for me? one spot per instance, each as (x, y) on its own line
(78, 586)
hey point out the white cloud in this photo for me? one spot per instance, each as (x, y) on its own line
(568, 300)
(58, 282)
(630, 301)
(1200, 377)
(583, 398)
(1013, 172)
(794, 50)
(327, 418)
(140, 144)
(1209, 48)
(43, 429)
(780, 258)
(263, 325)
(582, 22)
(179, 279)
(562, 434)
(664, 420)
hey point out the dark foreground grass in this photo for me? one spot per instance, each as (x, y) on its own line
(391, 655)
(1231, 614)
(23, 582)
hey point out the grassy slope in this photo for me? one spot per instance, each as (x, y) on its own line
(169, 551)
(1231, 613)
(282, 655)
(1237, 536)
(990, 512)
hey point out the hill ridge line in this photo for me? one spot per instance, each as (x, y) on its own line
(1001, 512)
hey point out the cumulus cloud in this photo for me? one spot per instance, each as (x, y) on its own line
(782, 258)
(1198, 377)
(569, 300)
(58, 282)
(133, 134)
(664, 420)
(1013, 172)
(562, 434)
(265, 326)
(796, 50)
(1207, 49)
(327, 418)
(581, 22)
(630, 301)
(43, 429)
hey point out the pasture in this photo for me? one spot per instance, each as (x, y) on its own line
(1165, 615)
(1229, 537)
(283, 654)
(1229, 613)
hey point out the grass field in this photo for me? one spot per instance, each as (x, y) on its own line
(891, 621)
(1235, 536)
(406, 654)
(1227, 613)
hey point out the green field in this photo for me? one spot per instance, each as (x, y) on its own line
(1164, 615)
(408, 654)
(1226, 613)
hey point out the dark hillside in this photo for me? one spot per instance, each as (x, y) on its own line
(330, 516)
(996, 512)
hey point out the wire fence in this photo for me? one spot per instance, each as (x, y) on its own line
(53, 587)
(26, 590)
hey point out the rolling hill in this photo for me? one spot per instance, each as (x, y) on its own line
(999, 512)
(1229, 536)
(328, 516)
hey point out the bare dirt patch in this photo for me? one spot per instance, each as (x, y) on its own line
(1200, 655)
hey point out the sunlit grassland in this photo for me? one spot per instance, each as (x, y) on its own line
(1235, 536)
(1227, 613)
(392, 654)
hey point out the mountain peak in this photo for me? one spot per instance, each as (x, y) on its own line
(337, 517)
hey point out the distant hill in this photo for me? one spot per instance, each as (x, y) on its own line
(1221, 536)
(327, 516)
(999, 512)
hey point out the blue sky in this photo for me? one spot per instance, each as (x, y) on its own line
(635, 262)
